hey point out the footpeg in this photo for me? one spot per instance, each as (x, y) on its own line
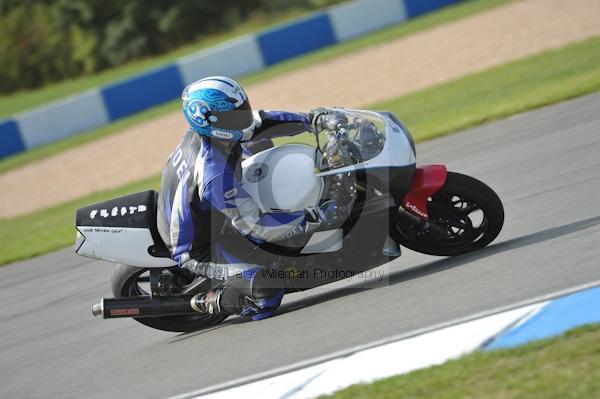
(207, 303)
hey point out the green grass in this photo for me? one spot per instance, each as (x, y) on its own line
(550, 77)
(52, 228)
(564, 367)
(547, 78)
(21, 101)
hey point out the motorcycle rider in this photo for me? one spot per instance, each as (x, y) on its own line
(201, 188)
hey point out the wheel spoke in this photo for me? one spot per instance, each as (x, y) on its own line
(453, 212)
(471, 207)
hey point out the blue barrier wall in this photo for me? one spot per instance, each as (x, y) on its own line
(81, 112)
(357, 18)
(11, 138)
(64, 118)
(234, 58)
(296, 39)
(142, 92)
(417, 7)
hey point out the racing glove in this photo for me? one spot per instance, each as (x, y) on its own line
(326, 119)
(324, 215)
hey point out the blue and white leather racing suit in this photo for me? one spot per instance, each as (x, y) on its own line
(201, 190)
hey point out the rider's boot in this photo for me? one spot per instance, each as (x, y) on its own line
(229, 301)
(263, 308)
(254, 292)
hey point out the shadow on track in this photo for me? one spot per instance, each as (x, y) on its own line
(445, 263)
(419, 271)
(230, 321)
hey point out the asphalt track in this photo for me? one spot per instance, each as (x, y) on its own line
(544, 164)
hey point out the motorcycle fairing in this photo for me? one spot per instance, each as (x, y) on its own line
(426, 181)
(398, 149)
(324, 241)
(122, 230)
(282, 178)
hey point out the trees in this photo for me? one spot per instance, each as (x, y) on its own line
(43, 41)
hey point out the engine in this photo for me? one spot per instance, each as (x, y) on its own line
(339, 152)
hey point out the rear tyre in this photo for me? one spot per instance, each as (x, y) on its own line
(128, 281)
(466, 207)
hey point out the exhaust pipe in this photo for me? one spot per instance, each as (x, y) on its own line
(98, 308)
(112, 308)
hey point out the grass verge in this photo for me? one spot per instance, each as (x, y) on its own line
(26, 100)
(535, 81)
(52, 228)
(563, 367)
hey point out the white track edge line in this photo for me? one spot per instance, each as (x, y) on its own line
(349, 351)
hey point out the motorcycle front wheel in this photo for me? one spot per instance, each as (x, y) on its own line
(128, 281)
(467, 208)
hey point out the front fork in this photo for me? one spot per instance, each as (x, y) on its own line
(421, 222)
(427, 180)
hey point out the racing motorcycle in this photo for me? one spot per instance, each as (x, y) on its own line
(365, 161)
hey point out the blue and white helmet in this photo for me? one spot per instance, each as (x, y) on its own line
(218, 107)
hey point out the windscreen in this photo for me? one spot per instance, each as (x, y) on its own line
(349, 137)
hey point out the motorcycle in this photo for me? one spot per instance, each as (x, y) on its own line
(365, 161)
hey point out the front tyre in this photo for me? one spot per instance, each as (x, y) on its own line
(128, 281)
(469, 209)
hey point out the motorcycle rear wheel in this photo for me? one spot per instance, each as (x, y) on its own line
(465, 206)
(128, 281)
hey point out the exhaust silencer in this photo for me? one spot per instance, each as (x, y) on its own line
(111, 308)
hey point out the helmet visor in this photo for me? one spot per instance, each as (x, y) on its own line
(237, 119)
